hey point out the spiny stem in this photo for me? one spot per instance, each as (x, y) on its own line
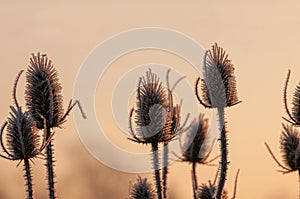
(28, 179)
(50, 165)
(156, 169)
(224, 153)
(165, 169)
(194, 179)
(299, 181)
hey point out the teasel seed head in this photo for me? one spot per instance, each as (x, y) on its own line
(196, 147)
(219, 84)
(209, 191)
(290, 147)
(43, 92)
(22, 136)
(153, 118)
(142, 190)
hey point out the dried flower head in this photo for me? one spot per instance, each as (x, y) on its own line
(196, 149)
(294, 116)
(142, 190)
(22, 140)
(290, 148)
(44, 101)
(43, 92)
(153, 118)
(219, 84)
(209, 191)
(22, 137)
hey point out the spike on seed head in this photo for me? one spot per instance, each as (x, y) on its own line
(290, 148)
(196, 146)
(219, 84)
(43, 92)
(142, 190)
(22, 137)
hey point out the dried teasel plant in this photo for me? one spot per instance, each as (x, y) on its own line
(289, 145)
(44, 101)
(142, 189)
(22, 140)
(290, 150)
(196, 148)
(290, 136)
(218, 91)
(157, 121)
(175, 115)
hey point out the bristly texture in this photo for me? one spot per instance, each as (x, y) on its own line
(219, 84)
(22, 137)
(196, 148)
(290, 148)
(142, 190)
(44, 102)
(175, 115)
(175, 121)
(209, 191)
(43, 92)
(153, 117)
(218, 91)
(22, 142)
(296, 104)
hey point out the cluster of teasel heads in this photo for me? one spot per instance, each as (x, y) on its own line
(290, 137)
(157, 121)
(30, 131)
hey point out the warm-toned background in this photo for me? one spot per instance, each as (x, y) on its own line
(262, 39)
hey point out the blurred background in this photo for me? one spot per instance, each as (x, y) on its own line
(261, 38)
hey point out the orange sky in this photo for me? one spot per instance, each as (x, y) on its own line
(261, 38)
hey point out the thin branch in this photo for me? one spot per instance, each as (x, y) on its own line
(20, 161)
(8, 158)
(138, 141)
(177, 82)
(70, 107)
(285, 98)
(235, 103)
(184, 123)
(131, 129)
(235, 184)
(1, 140)
(207, 163)
(15, 88)
(275, 159)
(167, 78)
(216, 177)
(197, 94)
(194, 180)
(289, 121)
